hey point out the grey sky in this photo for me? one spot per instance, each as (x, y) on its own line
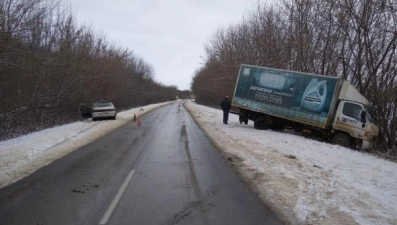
(168, 34)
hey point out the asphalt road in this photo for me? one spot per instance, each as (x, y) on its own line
(165, 172)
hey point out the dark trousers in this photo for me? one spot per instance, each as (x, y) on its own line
(225, 116)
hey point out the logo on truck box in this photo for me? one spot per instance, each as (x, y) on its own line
(315, 95)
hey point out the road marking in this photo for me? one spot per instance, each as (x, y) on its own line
(105, 218)
(158, 127)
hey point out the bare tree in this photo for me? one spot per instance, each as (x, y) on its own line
(352, 39)
(48, 65)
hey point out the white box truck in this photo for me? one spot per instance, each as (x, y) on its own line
(310, 103)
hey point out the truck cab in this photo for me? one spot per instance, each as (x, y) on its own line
(353, 123)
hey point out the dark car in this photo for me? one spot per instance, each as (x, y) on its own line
(85, 111)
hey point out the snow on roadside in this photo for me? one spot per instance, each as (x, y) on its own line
(22, 156)
(306, 181)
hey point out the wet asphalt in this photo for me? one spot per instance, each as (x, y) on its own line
(164, 172)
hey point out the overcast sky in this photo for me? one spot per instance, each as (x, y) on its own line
(168, 34)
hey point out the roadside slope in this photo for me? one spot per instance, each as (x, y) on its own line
(306, 181)
(22, 156)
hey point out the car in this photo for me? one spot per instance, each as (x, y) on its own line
(103, 110)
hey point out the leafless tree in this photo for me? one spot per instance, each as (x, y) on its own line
(351, 39)
(48, 65)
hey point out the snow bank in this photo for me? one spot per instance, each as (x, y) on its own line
(307, 181)
(22, 156)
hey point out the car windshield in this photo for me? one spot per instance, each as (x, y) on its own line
(102, 104)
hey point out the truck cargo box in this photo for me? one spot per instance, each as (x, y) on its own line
(301, 97)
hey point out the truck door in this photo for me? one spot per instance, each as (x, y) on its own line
(349, 118)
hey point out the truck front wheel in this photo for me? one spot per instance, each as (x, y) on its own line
(341, 139)
(260, 123)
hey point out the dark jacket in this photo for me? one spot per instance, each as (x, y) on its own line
(226, 105)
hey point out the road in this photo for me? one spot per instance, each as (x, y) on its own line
(164, 172)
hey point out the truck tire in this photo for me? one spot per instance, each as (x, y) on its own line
(260, 123)
(341, 139)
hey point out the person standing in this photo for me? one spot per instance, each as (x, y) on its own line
(226, 105)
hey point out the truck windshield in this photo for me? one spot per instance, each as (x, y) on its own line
(369, 113)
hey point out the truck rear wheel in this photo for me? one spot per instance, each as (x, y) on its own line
(260, 123)
(341, 139)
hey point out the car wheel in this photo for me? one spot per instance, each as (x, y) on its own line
(94, 119)
(341, 139)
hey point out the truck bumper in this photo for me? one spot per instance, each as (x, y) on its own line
(366, 145)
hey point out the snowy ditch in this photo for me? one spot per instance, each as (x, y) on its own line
(22, 156)
(306, 181)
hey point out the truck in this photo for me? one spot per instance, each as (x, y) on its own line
(313, 104)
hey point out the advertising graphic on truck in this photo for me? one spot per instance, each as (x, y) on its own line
(306, 98)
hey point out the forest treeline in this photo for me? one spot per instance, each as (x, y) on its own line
(351, 39)
(49, 64)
